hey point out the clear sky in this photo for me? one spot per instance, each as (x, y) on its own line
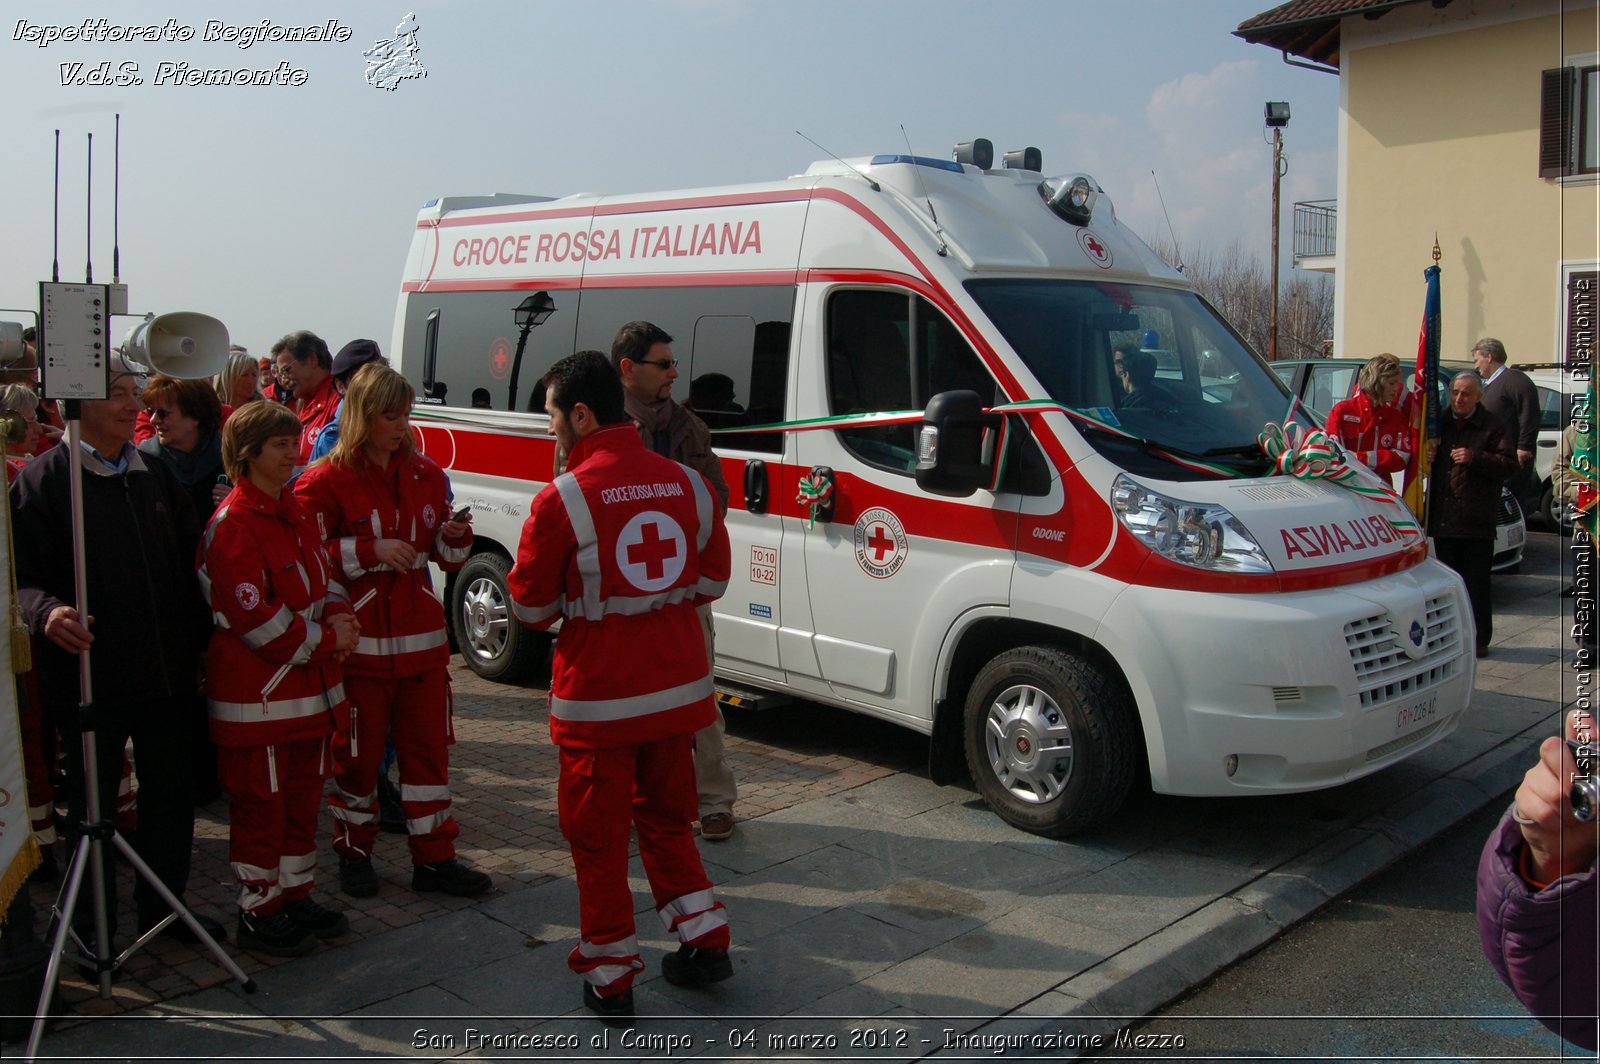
(287, 206)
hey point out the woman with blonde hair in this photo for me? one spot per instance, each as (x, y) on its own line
(1370, 423)
(239, 382)
(384, 511)
(19, 406)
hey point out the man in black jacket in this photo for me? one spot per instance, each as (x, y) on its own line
(1472, 458)
(146, 631)
(1509, 395)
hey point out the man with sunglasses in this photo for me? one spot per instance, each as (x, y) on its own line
(642, 354)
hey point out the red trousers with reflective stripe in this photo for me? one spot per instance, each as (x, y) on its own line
(414, 711)
(274, 795)
(604, 793)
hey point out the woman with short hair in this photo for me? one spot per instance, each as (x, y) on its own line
(187, 419)
(274, 682)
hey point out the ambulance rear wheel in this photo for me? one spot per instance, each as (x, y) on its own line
(492, 642)
(1050, 739)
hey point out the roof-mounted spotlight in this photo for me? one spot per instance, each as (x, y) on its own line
(979, 153)
(1025, 159)
(1072, 197)
(1277, 113)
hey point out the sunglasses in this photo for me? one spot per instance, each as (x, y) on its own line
(159, 412)
(665, 363)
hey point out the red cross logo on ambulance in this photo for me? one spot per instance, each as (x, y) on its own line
(651, 551)
(500, 358)
(1095, 248)
(880, 543)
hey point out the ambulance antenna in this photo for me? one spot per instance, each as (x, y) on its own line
(938, 230)
(1172, 232)
(875, 186)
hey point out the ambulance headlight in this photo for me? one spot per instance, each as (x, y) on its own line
(1200, 534)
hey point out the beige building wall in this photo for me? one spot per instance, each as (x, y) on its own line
(1441, 114)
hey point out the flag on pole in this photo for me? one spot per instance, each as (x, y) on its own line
(1425, 407)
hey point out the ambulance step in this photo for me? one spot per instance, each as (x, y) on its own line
(744, 698)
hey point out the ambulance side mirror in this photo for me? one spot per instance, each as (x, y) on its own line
(954, 445)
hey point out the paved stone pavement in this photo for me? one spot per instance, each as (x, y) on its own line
(875, 915)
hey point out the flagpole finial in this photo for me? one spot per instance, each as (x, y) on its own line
(1437, 254)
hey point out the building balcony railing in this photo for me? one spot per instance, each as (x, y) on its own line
(1316, 228)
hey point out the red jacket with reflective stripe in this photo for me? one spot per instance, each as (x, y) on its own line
(316, 410)
(1378, 435)
(270, 584)
(402, 626)
(621, 548)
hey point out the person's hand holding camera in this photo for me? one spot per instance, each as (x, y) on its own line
(1559, 844)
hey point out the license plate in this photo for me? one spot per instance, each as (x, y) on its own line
(1409, 718)
(1515, 535)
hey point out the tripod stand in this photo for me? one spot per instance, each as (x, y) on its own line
(89, 854)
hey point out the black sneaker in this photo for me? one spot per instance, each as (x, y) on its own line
(276, 935)
(356, 877)
(451, 877)
(696, 967)
(614, 1011)
(324, 923)
(391, 813)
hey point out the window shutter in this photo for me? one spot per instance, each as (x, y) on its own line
(1557, 145)
(1583, 290)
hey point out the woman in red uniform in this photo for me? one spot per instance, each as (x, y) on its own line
(384, 512)
(1369, 424)
(283, 625)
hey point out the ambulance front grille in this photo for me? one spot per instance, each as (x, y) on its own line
(1383, 671)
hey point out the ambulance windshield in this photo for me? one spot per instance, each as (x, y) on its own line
(1154, 363)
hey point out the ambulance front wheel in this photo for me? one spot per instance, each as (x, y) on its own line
(1051, 740)
(492, 642)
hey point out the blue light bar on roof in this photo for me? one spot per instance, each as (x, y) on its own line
(917, 160)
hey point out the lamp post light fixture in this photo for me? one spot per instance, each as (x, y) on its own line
(531, 313)
(1276, 116)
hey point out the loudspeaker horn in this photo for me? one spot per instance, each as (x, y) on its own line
(184, 345)
(10, 342)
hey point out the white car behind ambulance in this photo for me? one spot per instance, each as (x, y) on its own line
(1062, 587)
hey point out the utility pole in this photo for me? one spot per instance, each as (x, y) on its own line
(1277, 116)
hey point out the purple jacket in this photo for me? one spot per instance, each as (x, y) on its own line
(1542, 943)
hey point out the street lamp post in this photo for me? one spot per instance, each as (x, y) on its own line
(529, 315)
(1277, 116)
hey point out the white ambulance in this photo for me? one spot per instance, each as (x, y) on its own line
(1066, 582)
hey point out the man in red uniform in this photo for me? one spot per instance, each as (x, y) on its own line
(310, 366)
(622, 547)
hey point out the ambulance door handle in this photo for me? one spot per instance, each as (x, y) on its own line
(755, 486)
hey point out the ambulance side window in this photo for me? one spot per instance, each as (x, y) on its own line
(891, 351)
(477, 345)
(732, 346)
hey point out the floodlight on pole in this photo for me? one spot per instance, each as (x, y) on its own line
(1276, 116)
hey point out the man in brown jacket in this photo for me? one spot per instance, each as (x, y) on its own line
(642, 354)
(1472, 458)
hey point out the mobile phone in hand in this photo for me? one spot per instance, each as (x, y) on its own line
(461, 514)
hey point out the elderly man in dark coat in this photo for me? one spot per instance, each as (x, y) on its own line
(1472, 458)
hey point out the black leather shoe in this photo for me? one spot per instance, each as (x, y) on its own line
(614, 1011)
(276, 935)
(324, 923)
(451, 877)
(356, 877)
(696, 967)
